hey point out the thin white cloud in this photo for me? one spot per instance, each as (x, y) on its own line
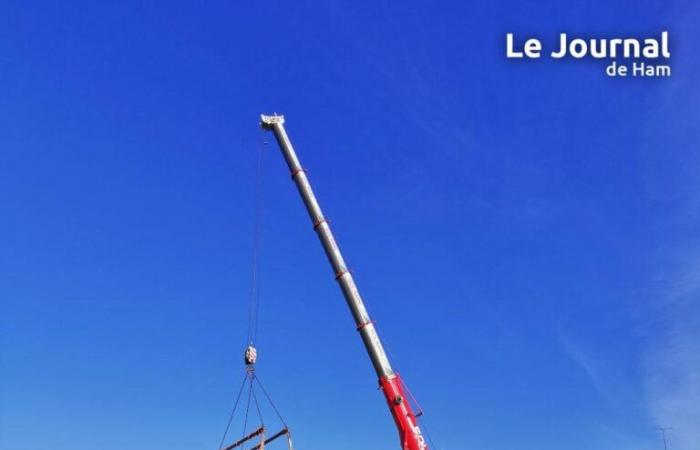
(673, 362)
(585, 363)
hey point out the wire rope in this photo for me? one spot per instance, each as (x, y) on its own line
(254, 304)
(269, 399)
(233, 412)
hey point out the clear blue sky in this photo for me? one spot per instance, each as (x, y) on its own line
(525, 233)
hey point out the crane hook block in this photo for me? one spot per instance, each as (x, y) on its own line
(250, 355)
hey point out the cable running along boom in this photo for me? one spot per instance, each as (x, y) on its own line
(389, 381)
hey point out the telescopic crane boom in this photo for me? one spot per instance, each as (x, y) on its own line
(389, 381)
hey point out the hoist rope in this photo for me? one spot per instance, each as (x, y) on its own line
(254, 290)
(253, 307)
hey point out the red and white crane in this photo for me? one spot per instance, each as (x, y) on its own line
(390, 382)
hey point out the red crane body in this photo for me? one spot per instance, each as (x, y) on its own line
(390, 382)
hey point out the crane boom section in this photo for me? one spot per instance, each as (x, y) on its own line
(389, 381)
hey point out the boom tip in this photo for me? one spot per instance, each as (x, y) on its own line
(268, 121)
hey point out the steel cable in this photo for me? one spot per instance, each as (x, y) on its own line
(233, 412)
(269, 399)
(254, 284)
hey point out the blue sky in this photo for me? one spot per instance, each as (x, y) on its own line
(525, 234)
